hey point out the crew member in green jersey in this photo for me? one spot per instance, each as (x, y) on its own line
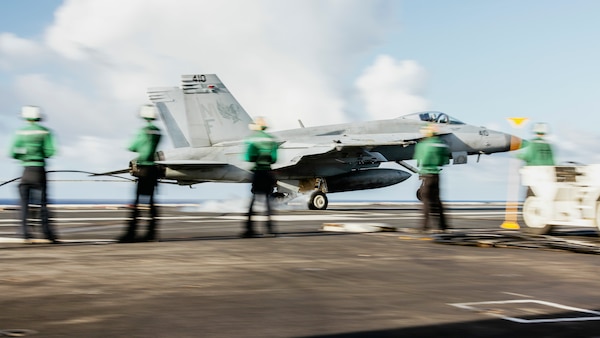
(537, 151)
(145, 145)
(32, 145)
(431, 154)
(261, 149)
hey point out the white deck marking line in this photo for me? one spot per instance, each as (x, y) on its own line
(517, 294)
(473, 307)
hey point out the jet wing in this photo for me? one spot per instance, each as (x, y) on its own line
(376, 140)
(191, 164)
(359, 151)
(380, 140)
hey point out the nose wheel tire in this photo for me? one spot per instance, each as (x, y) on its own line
(536, 214)
(317, 201)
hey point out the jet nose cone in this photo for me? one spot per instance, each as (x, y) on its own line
(514, 142)
(498, 142)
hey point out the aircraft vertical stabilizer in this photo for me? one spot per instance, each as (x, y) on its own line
(213, 114)
(170, 105)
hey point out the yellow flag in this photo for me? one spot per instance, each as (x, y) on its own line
(517, 122)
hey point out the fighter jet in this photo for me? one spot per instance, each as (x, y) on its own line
(207, 127)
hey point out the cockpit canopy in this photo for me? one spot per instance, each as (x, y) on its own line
(433, 117)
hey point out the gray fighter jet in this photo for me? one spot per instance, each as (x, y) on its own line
(207, 127)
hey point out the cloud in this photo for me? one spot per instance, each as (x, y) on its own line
(282, 59)
(10, 44)
(99, 153)
(14, 48)
(391, 88)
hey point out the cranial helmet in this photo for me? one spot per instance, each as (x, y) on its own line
(540, 128)
(259, 124)
(31, 113)
(148, 112)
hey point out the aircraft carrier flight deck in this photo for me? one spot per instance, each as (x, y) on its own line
(354, 270)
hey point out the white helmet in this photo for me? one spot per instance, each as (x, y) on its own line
(31, 113)
(148, 112)
(540, 128)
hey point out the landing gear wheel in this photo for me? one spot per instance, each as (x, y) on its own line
(536, 215)
(317, 201)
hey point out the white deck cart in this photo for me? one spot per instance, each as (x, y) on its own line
(561, 195)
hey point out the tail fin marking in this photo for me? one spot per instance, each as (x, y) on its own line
(213, 110)
(200, 113)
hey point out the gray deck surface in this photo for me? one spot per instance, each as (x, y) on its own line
(202, 280)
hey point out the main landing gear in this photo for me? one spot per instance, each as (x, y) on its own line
(317, 201)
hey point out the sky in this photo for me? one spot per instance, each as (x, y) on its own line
(88, 64)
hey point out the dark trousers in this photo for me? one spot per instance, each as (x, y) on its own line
(33, 182)
(145, 188)
(262, 184)
(432, 204)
